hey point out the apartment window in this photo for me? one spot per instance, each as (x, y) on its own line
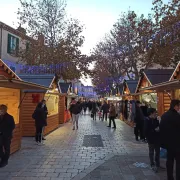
(13, 45)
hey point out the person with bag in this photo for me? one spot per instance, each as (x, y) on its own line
(7, 125)
(40, 116)
(152, 134)
(170, 138)
(112, 115)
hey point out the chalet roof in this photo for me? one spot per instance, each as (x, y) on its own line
(120, 88)
(15, 32)
(156, 76)
(175, 71)
(8, 70)
(132, 85)
(42, 79)
(64, 87)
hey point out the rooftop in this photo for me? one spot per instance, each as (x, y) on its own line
(156, 76)
(42, 79)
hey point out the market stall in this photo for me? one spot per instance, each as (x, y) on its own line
(148, 96)
(10, 95)
(171, 88)
(32, 97)
(129, 88)
(65, 89)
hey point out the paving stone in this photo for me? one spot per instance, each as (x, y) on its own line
(49, 174)
(63, 156)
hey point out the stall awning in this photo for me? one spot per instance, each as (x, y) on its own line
(165, 86)
(137, 94)
(17, 84)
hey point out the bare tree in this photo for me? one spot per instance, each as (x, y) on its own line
(58, 38)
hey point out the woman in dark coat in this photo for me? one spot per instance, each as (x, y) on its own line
(40, 117)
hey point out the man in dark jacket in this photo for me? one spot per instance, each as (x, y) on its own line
(170, 138)
(138, 122)
(105, 109)
(7, 125)
(76, 108)
(151, 131)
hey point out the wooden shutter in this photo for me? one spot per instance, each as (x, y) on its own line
(17, 46)
(9, 44)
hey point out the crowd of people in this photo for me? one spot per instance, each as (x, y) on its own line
(94, 108)
(159, 132)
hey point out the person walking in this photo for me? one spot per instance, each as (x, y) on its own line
(90, 106)
(94, 110)
(85, 106)
(105, 110)
(40, 116)
(43, 104)
(7, 125)
(139, 122)
(112, 115)
(170, 138)
(76, 110)
(152, 134)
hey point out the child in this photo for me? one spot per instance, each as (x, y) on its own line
(152, 134)
(100, 115)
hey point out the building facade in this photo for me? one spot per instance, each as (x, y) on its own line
(11, 42)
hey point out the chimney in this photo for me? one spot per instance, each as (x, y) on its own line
(41, 39)
(22, 30)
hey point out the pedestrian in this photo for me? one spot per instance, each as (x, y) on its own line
(170, 138)
(139, 122)
(94, 110)
(73, 101)
(7, 125)
(90, 106)
(112, 115)
(76, 110)
(40, 116)
(85, 106)
(152, 134)
(105, 110)
(43, 102)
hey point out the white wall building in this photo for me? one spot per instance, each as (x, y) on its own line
(11, 41)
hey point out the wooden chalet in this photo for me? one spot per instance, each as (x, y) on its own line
(32, 97)
(167, 90)
(67, 95)
(11, 95)
(129, 88)
(148, 78)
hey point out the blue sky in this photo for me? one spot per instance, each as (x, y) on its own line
(98, 16)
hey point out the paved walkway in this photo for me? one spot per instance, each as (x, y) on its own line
(63, 157)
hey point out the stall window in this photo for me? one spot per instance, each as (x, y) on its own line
(52, 103)
(150, 99)
(11, 98)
